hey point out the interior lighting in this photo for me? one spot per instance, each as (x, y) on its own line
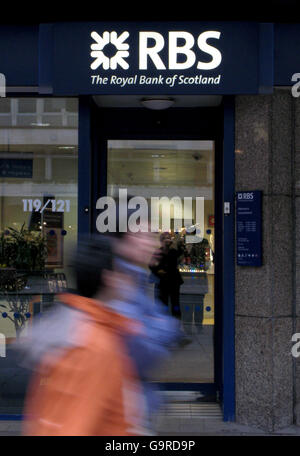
(39, 124)
(157, 103)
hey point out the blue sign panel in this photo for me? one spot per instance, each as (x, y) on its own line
(287, 54)
(249, 228)
(19, 54)
(15, 167)
(151, 58)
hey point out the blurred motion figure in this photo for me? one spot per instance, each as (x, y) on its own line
(85, 383)
(159, 332)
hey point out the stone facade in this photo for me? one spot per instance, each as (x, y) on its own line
(267, 305)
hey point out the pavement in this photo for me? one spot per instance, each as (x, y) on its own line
(209, 427)
(182, 419)
(10, 428)
(185, 413)
(181, 427)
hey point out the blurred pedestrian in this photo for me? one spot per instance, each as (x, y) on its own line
(84, 381)
(164, 266)
(159, 331)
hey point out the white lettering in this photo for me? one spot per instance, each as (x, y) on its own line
(163, 208)
(171, 80)
(140, 214)
(165, 204)
(150, 81)
(97, 79)
(174, 50)
(199, 79)
(109, 214)
(296, 87)
(2, 346)
(151, 52)
(123, 81)
(123, 210)
(205, 47)
(198, 227)
(2, 85)
(296, 348)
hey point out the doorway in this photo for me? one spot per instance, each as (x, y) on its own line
(170, 153)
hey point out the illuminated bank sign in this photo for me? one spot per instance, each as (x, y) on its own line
(150, 58)
(181, 56)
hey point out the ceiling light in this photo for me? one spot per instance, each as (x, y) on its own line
(157, 103)
(66, 147)
(40, 124)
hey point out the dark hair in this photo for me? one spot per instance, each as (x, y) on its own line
(92, 256)
(164, 235)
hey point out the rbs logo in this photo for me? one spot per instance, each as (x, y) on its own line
(150, 46)
(146, 52)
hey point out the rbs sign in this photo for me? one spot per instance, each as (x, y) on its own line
(150, 58)
(146, 51)
(150, 46)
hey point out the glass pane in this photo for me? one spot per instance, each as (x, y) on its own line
(184, 169)
(54, 104)
(38, 224)
(27, 105)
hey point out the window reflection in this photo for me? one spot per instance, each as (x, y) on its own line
(154, 168)
(38, 205)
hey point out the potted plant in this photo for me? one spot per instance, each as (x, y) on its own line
(22, 253)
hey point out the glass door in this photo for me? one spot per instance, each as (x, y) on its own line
(159, 171)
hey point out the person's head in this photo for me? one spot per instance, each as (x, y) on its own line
(134, 247)
(165, 239)
(93, 267)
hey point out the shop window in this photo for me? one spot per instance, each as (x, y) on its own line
(5, 106)
(27, 105)
(38, 207)
(38, 222)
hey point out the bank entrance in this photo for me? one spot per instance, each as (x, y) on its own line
(164, 154)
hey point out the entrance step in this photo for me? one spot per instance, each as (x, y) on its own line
(189, 404)
(180, 396)
(191, 410)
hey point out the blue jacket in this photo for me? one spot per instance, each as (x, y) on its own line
(160, 330)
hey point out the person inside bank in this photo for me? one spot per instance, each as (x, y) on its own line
(165, 272)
